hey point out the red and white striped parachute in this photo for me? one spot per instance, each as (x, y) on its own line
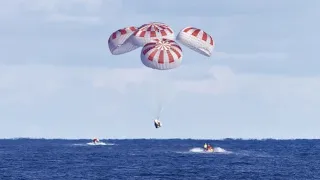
(162, 54)
(197, 40)
(148, 32)
(119, 42)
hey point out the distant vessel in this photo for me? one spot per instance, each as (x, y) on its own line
(208, 148)
(96, 141)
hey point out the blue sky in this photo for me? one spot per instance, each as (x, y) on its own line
(59, 80)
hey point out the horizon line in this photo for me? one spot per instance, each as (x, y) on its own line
(199, 139)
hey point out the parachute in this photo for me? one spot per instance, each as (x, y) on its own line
(151, 31)
(162, 54)
(119, 41)
(160, 48)
(197, 40)
(157, 51)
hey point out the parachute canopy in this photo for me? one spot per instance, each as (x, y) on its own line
(160, 49)
(119, 41)
(162, 54)
(148, 32)
(197, 40)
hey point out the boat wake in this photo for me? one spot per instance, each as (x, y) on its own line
(216, 150)
(95, 144)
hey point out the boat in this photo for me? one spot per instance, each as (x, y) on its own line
(208, 148)
(96, 141)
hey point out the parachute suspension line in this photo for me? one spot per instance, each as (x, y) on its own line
(160, 108)
(164, 93)
(161, 94)
(159, 98)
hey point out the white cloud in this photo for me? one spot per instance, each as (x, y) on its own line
(277, 89)
(81, 11)
(251, 56)
(112, 97)
(67, 18)
(51, 6)
(120, 79)
(44, 79)
(220, 81)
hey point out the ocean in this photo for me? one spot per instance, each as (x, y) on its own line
(159, 159)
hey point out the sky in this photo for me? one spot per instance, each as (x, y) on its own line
(58, 78)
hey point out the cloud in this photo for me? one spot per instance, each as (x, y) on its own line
(251, 56)
(120, 79)
(111, 97)
(66, 18)
(220, 81)
(79, 11)
(43, 80)
(49, 79)
(50, 6)
(278, 89)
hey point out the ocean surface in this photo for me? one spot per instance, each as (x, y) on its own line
(159, 159)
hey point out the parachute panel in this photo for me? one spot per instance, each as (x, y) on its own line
(197, 40)
(120, 42)
(162, 54)
(149, 32)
